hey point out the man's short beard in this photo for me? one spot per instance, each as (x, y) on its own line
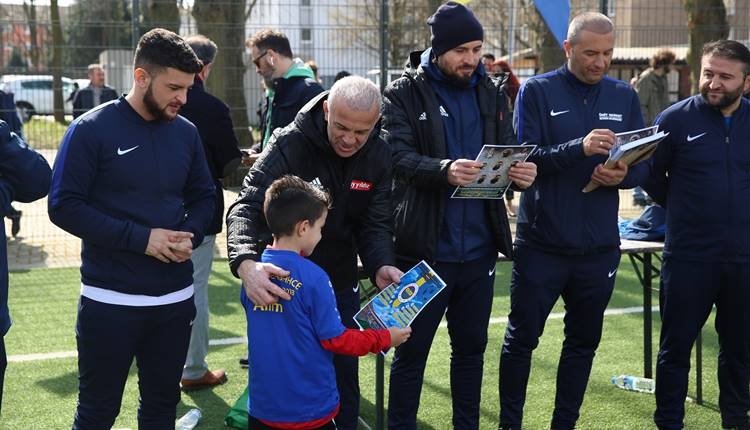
(453, 79)
(727, 99)
(458, 81)
(153, 107)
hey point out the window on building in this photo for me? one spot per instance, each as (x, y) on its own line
(730, 6)
(611, 7)
(524, 32)
(305, 3)
(306, 35)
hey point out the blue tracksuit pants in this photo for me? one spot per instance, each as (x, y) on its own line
(585, 283)
(688, 291)
(468, 300)
(108, 338)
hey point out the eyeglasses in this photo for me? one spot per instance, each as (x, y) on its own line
(256, 60)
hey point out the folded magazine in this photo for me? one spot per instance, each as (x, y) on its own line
(493, 178)
(399, 303)
(631, 147)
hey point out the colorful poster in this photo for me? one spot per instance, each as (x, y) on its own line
(398, 304)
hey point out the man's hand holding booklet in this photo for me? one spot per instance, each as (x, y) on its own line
(631, 147)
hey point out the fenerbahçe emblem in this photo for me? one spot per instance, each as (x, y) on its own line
(406, 294)
(358, 185)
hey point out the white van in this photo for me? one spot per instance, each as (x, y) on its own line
(34, 95)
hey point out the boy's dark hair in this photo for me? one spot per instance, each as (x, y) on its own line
(204, 48)
(731, 50)
(290, 200)
(159, 49)
(271, 39)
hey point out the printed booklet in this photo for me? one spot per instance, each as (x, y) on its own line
(493, 179)
(632, 147)
(398, 304)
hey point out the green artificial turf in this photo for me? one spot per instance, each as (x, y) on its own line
(41, 393)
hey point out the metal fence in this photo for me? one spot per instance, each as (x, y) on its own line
(364, 37)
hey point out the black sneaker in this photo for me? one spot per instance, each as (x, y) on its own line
(15, 222)
(243, 363)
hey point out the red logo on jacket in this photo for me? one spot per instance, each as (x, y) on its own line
(358, 185)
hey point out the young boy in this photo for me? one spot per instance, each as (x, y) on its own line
(291, 381)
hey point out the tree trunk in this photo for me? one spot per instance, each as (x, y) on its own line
(707, 21)
(224, 22)
(163, 14)
(29, 9)
(57, 44)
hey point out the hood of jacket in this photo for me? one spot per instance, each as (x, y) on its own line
(298, 69)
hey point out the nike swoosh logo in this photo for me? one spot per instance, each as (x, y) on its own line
(492, 272)
(612, 273)
(692, 138)
(553, 113)
(355, 289)
(123, 152)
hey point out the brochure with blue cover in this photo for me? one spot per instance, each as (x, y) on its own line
(399, 303)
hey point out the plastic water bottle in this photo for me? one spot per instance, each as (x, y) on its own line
(189, 420)
(634, 383)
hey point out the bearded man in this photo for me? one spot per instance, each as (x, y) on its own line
(131, 180)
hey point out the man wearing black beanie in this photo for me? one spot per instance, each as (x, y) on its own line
(436, 119)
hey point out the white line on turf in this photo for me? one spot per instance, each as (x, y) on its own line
(239, 340)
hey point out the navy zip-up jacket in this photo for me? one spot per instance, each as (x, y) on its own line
(24, 177)
(555, 111)
(701, 175)
(115, 178)
(465, 233)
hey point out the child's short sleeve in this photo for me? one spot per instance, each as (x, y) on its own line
(321, 305)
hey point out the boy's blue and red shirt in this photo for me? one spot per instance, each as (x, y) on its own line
(291, 377)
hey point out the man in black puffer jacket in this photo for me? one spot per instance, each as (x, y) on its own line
(436, 119)
(334, 143)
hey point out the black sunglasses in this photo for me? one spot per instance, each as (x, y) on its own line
(256, 60)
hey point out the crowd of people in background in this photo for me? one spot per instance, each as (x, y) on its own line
(351, 176)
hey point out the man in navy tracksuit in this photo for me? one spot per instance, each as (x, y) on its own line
(436, 118)
(567, 242)
(701, 176)
(131, 181)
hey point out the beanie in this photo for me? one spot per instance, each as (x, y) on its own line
(453, 24)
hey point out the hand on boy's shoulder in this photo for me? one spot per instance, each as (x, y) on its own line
(258, 287)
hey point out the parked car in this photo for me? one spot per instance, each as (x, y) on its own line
(34, 95)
